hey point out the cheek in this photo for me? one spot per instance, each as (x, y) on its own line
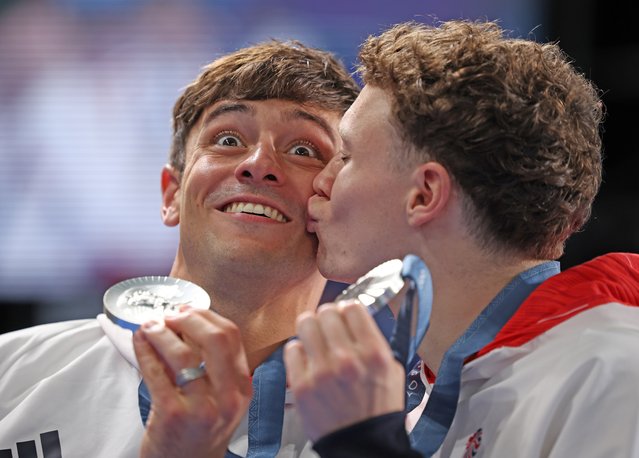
(205, 175)
(350, 197)
(303, 182)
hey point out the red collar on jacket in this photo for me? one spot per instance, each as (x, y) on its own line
(609, 278)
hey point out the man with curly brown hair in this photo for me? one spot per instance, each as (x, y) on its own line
(481, 154)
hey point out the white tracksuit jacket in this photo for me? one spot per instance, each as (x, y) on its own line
(70, 390)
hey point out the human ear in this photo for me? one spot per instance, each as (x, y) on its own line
(429, 194)
(170, 196)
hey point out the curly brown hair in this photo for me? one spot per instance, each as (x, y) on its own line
(270, 70)
(513, 122)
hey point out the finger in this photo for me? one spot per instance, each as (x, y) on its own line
(185, 337)
(295, 362)
(312, 337)
(219, 342)
(361, 325)
(375, 351)
(158, 379)
(334, 327)
(174, 352)
(184, 308)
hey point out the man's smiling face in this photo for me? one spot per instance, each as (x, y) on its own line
(248, 175)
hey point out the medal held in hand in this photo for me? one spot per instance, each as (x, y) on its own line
(405, 282)
(137, 300)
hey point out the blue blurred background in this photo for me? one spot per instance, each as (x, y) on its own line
(86, 91)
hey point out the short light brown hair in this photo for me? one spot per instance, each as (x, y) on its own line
(513, 122)
(272, 70)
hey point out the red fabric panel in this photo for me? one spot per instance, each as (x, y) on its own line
(609, 278)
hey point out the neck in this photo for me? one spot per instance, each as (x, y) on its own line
(263, 307)
(266, 316)
(463, 287)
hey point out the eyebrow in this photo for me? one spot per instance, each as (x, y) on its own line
(290, 115)
(230, 107)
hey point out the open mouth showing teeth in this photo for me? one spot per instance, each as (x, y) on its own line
(255, 209)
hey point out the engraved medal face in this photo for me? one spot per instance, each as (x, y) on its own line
(137, 300)
(377, 287)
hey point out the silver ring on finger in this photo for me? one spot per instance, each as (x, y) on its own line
(188, 374)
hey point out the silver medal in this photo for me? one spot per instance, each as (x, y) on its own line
(137, 300)
(406, 287)
(376, 288)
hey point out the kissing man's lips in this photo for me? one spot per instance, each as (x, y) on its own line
(311, 226)
(313, 212)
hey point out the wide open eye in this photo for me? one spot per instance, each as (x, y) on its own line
(228, 139)
(304, 149)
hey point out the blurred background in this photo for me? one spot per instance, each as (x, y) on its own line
(86, 92)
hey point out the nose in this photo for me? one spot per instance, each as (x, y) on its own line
(261, 166)
(323, 182)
